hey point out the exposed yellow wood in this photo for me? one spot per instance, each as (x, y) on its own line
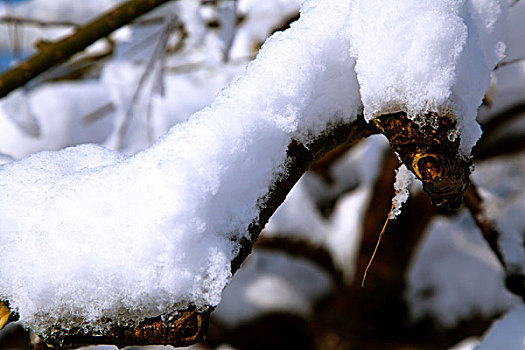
(4, 314)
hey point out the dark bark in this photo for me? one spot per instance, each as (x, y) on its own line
(299, 159)
(426, 151)
(181, 328)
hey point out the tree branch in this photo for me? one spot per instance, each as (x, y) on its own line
(499, 119)
(299, 159)
(428, 152)
(51, 54)
(48, 23)
(302, 248)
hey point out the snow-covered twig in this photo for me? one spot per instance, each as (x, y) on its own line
(509, 62)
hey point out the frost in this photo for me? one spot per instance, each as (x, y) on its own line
(404, 179)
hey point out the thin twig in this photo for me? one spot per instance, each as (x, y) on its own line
(502, 117)
(502, 146)
(195, 66)
(509, 62)
(34, 22)
(228, 23)
(377, 245)
(474, 203)
(297, 246)
(155, 58)
(10, 19)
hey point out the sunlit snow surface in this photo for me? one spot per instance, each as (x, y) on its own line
(89, 232)
(424, 55)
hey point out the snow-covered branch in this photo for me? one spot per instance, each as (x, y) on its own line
(138, 249)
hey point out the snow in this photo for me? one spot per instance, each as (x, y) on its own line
(404, 179)
(57, 110)
(262, 17)
(466, 344)
(511, 225)
(426, 56)
(502, 184)
(88, 232)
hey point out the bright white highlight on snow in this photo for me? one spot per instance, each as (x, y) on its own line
(423, 56)
(87, 232)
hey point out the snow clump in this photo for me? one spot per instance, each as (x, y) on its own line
(404, 179)
(421, 56)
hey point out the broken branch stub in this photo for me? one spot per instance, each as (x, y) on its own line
(432, 154)
(6, 315)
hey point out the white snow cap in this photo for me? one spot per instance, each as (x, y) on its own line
(88, 233)
(422, 56)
